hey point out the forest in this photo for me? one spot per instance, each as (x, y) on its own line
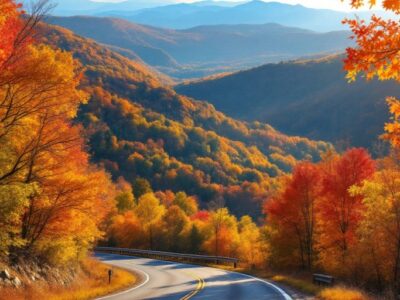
(96, 150)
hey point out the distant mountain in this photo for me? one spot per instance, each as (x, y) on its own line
(184, 15)
(137, 127)
(206, 50)
(88, 7)
(308, 98)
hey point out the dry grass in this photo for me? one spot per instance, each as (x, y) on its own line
(342, 293)
(299, 284)
(91, 282)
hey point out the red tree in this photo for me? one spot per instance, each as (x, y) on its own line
(339, 211)
(293, 212)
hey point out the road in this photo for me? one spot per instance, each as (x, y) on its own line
(170, 280)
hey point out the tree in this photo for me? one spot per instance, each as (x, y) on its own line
(292, 212)
(141, 186)
(127, 231)
(187, 204)
(339, 212)
(125, 201)
(250, 247)
(175, 223)
(195, 240)
(17, 33)
(379, 229)
(377, 55)
(222, 233)
(58, 198)
(149, 211)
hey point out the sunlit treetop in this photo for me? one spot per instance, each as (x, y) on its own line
(10, 26)
(377, 55)
(393, 5)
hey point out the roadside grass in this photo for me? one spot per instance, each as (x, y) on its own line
(299, 284)
(91, 282)
(340, 293)
(302, 283)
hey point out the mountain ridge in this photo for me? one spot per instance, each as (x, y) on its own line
(206, 50)
(317, 90)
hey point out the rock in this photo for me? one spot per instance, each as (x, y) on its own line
(4, 274)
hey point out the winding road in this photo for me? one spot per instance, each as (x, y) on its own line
(170, 280)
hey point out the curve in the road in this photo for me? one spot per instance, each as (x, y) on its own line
(142, 283)
(171, 280)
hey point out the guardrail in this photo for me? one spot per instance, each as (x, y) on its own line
(169, 255)
(322, 279)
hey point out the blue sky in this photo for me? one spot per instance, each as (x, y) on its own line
(332, 4)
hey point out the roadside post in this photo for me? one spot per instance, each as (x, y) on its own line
(110, 272)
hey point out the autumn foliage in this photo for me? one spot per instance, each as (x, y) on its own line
(154, 223)
(52, 200)
(377, 54)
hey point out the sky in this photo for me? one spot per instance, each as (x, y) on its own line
(331, 4)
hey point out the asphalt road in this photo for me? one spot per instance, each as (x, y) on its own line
(170, 280)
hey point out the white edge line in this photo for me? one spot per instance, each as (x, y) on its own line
(284, 294)
(131, 289)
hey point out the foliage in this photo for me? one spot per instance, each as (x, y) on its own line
(52, 200)
(140, 129)
(377, 55)
(293, 211)
(164, 225)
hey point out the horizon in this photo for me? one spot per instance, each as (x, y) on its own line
(325, 4)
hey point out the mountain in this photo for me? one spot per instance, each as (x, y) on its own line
(137, 127)
(308, 98)
(88, 7)
(184, 15)
(206, 50)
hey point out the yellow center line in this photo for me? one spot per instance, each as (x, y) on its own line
(200, 285)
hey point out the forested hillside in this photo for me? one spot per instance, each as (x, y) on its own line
(137, 128)
(307, 98)
(205, 50)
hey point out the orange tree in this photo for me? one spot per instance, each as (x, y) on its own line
(51, 199)
(377, 54)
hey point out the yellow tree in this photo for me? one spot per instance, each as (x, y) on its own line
(251, 248)
(175, 226)
(380, 227)
(222, 233)
(149, 211)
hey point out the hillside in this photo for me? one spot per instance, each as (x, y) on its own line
(206, 50)
(314, 101)
(184, 15)
(138, 128)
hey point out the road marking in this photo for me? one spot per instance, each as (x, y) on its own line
(200, 285)
(277, 288)
(146, 276)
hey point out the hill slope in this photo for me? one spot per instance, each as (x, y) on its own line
(310, 98)
(138, 128)
(206, 50)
